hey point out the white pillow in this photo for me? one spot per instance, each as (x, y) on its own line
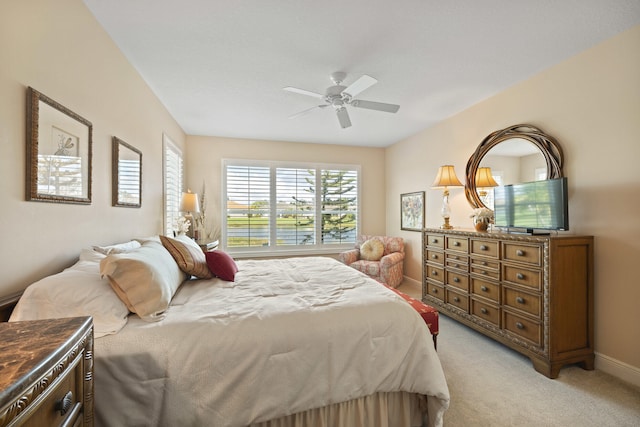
(91, 255)
(118, 248)
(75, 292)
(145, 279)
(372, 250)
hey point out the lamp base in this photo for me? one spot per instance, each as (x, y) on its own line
(446, 225)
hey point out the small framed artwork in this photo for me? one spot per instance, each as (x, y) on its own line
(126, 175)
(412, 211)
(59, 145)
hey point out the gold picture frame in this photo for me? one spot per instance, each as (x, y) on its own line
(59, 152)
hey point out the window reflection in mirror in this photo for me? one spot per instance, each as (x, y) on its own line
(511, 162)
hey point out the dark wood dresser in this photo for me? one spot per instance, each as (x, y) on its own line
(531, 293)
(46, 372)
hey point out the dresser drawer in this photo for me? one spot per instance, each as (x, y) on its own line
(458, 244)
(436, 257)
(522, 327)
(436, 291)
(457, 280)
(434, 273)
(485, 289)
(521, 276)
(434, 241)
(485, 267)
(488, 312)
(523, 301)
(455, 298)
(529, 254)
(460, 262)
(63, 404)
(488, 248)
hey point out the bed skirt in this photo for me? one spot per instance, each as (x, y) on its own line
(383, 409)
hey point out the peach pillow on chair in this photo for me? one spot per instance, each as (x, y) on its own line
(371, 250)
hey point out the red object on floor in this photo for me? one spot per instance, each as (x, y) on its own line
(428, 313)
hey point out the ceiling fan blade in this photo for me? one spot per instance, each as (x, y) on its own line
(343, 117)
(364, 82)
(307, 111)
(303, 92)
(379, 106)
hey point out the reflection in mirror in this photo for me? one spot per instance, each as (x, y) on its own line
(520, 153)
(127, 175)
(512, 161)
(58, 152)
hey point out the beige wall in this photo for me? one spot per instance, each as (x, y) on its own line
(204, 160)
(591, 104)
(59, 49)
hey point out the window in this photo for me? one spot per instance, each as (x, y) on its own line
(273, 206)
(172, 180)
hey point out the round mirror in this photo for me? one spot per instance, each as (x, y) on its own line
(515, 154)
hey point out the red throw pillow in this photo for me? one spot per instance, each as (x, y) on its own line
(221, 265)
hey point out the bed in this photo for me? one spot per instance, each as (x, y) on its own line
(287, 342)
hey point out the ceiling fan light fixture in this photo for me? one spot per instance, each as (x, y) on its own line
(339, 97)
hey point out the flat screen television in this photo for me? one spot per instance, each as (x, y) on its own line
(531, 206)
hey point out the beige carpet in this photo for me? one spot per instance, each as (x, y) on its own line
(492, 385)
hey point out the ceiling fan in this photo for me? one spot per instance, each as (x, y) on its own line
(339, 96)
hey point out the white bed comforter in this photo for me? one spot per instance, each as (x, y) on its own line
(288, 335)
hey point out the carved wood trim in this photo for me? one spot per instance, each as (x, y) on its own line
(83, 350)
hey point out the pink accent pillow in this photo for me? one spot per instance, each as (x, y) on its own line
(221, 265)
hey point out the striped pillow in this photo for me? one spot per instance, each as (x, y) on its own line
(188, 256)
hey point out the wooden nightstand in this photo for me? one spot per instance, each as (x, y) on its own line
(46, 373)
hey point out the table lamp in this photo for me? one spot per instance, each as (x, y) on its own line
(190, 205)
(446, 178)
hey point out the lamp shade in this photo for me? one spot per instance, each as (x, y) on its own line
(446, 178)
(484, 178)
(189, 202)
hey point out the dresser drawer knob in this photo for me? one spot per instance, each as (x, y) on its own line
(484, 310)
(456, 279)
(520, 252)
(434, 256)
(456, 299)
(483, 272)
(434, 290)
(65, 403)
(483, 248)
(520, 276)
(434, 272)
(519, 325)
(456, 243)
(484, 289)
(520, 300)
(484, 263)
(434, 240)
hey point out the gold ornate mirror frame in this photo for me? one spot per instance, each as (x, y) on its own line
(547, 145)
(59, 147)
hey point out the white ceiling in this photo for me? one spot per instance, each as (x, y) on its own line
(219, 66)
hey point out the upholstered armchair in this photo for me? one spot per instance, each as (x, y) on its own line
(385, 265)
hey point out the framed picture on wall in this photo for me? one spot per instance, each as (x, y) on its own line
(412, 211)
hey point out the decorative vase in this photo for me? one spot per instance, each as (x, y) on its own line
(480, 224)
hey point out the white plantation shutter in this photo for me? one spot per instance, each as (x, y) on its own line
(296, 206)
(248, 206)
(172, 177)
(277, 206)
